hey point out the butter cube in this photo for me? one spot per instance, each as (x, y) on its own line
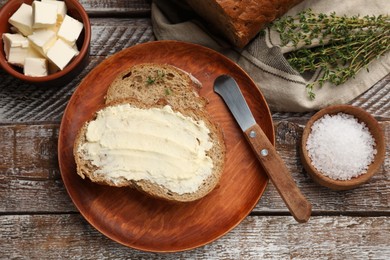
(42, 39)
(35, 67)
(15, 48)
(61, 8)
(70, 30)
(13, 40)
(44, 14)
(61, 54)
(22, 19)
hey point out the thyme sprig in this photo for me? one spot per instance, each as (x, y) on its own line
(344, 45)
(158, 77)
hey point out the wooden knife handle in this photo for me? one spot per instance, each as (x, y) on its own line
(278, 173)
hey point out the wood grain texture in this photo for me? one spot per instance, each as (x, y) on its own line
(128, 8)
(112, 35)
(277, 237)
(30, 180)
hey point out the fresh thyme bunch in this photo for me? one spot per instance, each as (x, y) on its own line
(345, 45)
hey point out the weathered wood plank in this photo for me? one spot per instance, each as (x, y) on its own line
(30, 180)
(133, 8)
(112, 35)
(70, 237)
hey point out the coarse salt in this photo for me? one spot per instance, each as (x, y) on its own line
(340, 147)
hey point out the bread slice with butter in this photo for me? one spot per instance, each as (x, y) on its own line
(151, 82)
(172, 154)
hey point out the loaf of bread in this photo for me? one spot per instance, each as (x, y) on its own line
(240, 21)
(163, 144)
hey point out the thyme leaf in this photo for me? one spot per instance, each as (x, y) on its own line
(156, 78)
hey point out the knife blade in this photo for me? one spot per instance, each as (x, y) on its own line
(265, 152)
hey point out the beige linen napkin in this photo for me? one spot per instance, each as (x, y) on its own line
(283, 87)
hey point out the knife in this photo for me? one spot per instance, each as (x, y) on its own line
(265, 152)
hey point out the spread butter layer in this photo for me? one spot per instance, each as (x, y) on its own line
(154, 144)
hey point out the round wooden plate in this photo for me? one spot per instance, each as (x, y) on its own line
(148, 224)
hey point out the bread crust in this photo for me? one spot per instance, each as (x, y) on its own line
(240, 21)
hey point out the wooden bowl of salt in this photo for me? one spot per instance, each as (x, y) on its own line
(342, 147)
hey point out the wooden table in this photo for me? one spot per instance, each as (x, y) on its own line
(39, 221)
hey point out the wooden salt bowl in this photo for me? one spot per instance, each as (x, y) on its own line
(376, 132)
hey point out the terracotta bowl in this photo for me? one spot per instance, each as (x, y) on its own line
(376, 132)
(76, 10)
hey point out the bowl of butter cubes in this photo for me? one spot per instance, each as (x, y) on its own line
(44, 42)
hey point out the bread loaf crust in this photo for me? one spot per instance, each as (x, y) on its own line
(240, 21)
